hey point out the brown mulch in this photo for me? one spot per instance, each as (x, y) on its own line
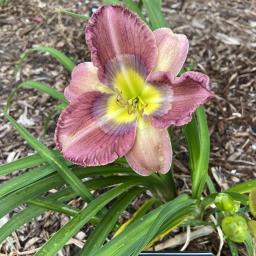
(222, 37)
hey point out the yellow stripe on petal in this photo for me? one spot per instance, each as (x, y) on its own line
(117, 113)
(151, 98)
(129, 83)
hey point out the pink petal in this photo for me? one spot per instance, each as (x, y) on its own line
(86, 138)
(188, 92)
(116, 35)
(151, 152)
(83, 79)
(172, 50)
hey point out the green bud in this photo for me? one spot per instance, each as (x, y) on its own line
(235, 228)
(226, 203)
(252, 202)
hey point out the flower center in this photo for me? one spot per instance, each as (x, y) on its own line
(133, 105)
(133, 97)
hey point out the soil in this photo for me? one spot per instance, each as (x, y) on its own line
(222, 36)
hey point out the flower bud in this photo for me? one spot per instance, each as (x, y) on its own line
(235, 228)
(226, 203)
(252, 202)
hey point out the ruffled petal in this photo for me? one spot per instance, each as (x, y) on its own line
(172, 50)
(87, 136)
(117, 38)
(151, 151)
(84, 78)
(187, 93)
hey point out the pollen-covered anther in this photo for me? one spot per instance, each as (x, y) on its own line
(134, 105)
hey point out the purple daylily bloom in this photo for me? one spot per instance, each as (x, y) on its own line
(122, 102)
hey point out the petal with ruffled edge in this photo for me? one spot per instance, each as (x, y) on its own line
(117, 38)
(172, 50)
(87, 136)
(151, 151)
(84, 78)
(187, 93)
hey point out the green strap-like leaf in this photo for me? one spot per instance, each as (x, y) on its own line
(24, 180)
(210, 185)
(198, 141)
(44, 88)
(243, 187)
(33, 211)
(192, 139)
(138, 214)
(52, 205)
(102, 230)
(23, 163)
(131, 5)
(200, 175)
(111, 1)
(37, 188)
(52, 159)
(73, 14)
(58, 240)
(233, 248)
(155, 15)
(56, 54)
(250, 246)
(23, 195)
(128, 241)
(18, 220)
(166, 218)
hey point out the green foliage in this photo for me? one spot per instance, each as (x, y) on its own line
(198, 141)
(243, 187)
(108, 222)
(72, 227)
(155, 15)
(233, 248)
(111, 1)
(52, 159)
(73, 14)
(3, 3)
(56, 54)
(41, 87)
(134, 238)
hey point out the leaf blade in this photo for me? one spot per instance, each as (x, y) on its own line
(100, 233)
(52, 159)
(64, 234)
(56, 54)
(156, 17)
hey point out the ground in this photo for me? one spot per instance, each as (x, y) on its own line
(222, 36)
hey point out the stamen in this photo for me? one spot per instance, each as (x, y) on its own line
(133, 105)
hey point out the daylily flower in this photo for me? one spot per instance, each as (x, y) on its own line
(122, 102)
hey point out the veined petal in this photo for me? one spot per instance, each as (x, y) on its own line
(117, 38)
(172, 50)
(187, 93)
(86, 136)
(84, 78)
(151, 151)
